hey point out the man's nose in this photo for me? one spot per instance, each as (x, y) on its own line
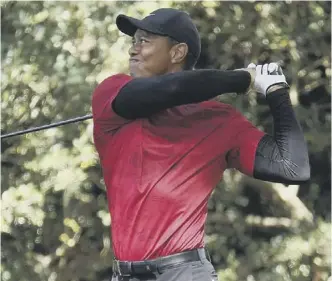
(134, 50)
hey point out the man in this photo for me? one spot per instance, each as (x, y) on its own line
(164, 144)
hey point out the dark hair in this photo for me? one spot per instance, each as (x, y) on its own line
(190, 60)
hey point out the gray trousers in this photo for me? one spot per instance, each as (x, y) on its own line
(191, 271)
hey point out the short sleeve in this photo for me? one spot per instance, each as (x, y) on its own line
(103, 96)
(244, 141)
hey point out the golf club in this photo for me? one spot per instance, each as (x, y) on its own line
(35, 129)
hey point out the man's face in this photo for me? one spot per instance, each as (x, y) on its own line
(149, 55)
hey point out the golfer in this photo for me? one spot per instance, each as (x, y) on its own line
(164, 144)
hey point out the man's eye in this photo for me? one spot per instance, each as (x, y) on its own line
(140, 40)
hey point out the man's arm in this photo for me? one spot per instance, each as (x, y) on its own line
(282, 157)
(142, 97)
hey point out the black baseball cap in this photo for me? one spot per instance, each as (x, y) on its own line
(169, 22)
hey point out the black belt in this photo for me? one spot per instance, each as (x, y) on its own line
(129, 268)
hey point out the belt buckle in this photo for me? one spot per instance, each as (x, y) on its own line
(119, 268)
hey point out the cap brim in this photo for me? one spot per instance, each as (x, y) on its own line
(129, 25)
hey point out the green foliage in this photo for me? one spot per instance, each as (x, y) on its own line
(55, 221)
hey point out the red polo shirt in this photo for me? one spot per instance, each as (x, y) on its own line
(160, 171)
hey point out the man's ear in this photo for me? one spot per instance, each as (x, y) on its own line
(179, 53)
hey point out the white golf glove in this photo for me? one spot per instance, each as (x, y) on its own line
(267, 75)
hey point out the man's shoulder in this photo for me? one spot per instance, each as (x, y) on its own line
(111, 85)
(115, 79)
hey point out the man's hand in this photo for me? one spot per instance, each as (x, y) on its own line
(268, 78)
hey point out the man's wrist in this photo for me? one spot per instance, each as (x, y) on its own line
(276, 87)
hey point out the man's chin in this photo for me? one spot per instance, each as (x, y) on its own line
(134, 72)
(139, 73)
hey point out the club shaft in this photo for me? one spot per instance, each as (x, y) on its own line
(35, 129)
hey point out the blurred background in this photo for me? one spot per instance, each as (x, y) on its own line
(55, 222)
